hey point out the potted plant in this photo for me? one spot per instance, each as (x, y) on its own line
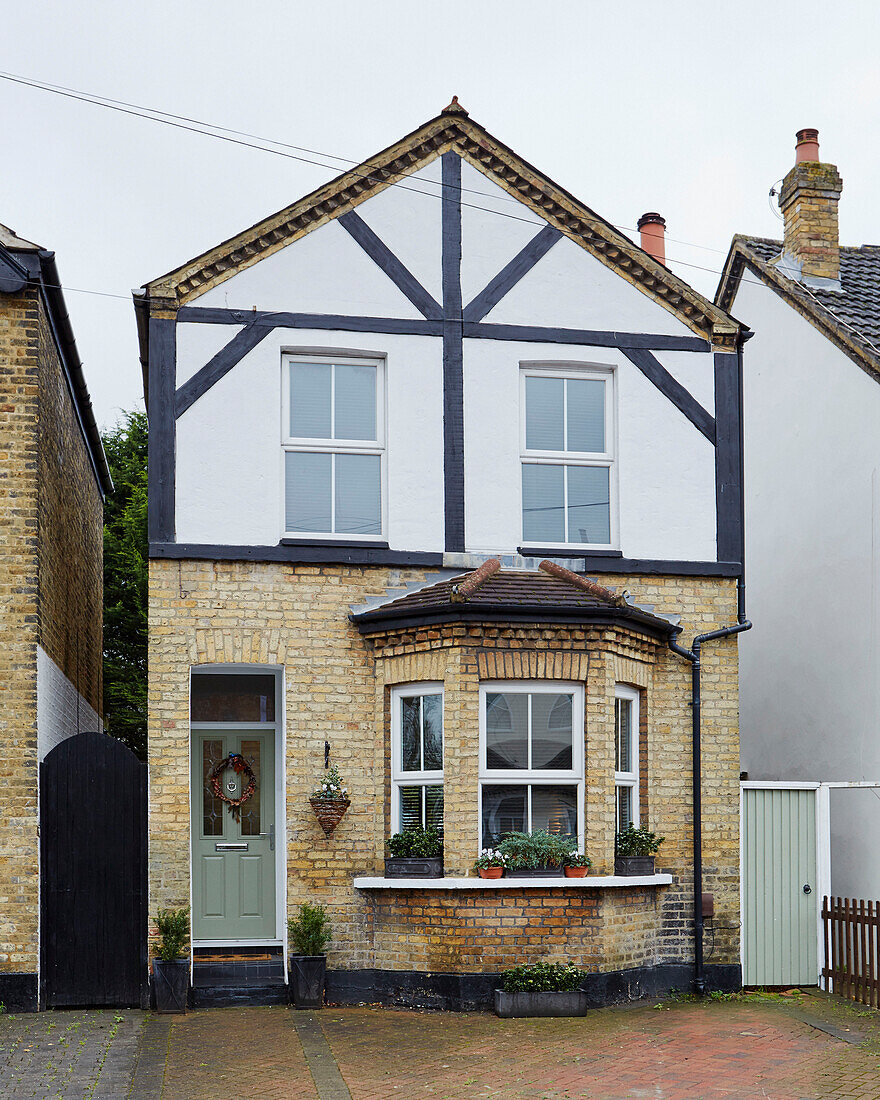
(329, 800)
(536, 855)
(309, 934)
(415, 853)
(634, 850)
(171, 968)
(491, 863)
(542, 989)
(576, 864)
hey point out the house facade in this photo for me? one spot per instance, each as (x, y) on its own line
(809, 685)
(53, 478)
(440, 463)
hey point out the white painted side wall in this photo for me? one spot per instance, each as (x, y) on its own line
(810, 667)
(61, 711)
(229, 459)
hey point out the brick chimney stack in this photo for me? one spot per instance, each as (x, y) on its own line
(808, 201)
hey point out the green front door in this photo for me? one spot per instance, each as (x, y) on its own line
(233, 860)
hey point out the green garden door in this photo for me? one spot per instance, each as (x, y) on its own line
(233, 860)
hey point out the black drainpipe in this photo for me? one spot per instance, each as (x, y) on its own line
(693, 655)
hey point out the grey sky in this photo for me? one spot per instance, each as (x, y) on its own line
(688, 107)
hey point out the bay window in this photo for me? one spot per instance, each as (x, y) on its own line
(417, 757)
(531, 759)
(567, 457)
(332, 439)
(626, 755)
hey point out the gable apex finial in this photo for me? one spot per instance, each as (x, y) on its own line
(454, 108)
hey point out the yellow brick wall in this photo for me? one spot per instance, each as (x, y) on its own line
(50, 590)
(336, 688)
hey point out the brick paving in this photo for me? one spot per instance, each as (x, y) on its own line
(751, 1048)
(69, 1055)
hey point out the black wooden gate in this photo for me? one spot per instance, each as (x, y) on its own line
(93, 850)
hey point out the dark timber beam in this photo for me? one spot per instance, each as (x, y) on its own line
(655, 372)
(161, 446)
(221, 364)
(453, 364)
(539, 334)
(385, 259)
(509, 276)
(728, 457)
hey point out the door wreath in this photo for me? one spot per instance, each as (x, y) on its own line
(239, 765)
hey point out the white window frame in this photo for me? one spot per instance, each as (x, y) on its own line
(335, 446)
(528, 777)
(606, 459)
(631, 778)
(399, 777)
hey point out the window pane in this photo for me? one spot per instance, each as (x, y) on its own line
(307, 491)
(555, 809)
(544, 414)
(433, 715)
(585, 410)
(504, 811)
(310, 400)
(410, 807)
(233, 698)
(355, 412)
(507, 731)
(410, 735)
(357, 495)
(589, 512)
(623, 759)
(212, 808)
(624, 808)
(543, 503)
(251, 810)
(551, 732)
(434, 808)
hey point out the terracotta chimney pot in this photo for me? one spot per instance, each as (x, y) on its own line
(807, 147)
(653, 230)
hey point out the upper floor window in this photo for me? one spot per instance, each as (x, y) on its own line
(417, 757)
(531, 759)
(333, 441)
(567, 457)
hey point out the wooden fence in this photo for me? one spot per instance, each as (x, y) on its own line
(852, 949)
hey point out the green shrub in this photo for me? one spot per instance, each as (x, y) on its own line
(309, 933)
(173, 928)
(542, 978)
(531, 851)
(416, 843)
(634, 841)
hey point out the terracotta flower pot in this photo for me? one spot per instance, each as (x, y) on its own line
(575, 872)
(490, 872)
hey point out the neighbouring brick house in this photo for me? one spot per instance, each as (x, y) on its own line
(439, 359)
(53, 474)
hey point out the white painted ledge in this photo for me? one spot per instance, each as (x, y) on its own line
(589, 882)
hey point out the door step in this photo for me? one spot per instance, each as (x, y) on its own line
(239, 979)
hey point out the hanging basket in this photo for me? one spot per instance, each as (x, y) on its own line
(329, 811)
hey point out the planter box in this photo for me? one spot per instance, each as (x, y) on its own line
(171, 985)
(512, 1006)
(308, 974)
(537, 872)
(634, 865)
(400, 867)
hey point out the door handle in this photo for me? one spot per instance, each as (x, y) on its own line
(230, 847)
(808, 889)
(272, 837)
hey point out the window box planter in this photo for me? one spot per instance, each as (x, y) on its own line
(171, 985)
(413, 867)
(536, 872)
(308, 974)
(634, 865)
(512, 1006)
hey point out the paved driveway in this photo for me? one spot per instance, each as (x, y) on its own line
(803, 1047)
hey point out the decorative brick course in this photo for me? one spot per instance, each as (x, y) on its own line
(337, 686)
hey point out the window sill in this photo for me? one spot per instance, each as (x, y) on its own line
(589, 882)
(350, 544)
